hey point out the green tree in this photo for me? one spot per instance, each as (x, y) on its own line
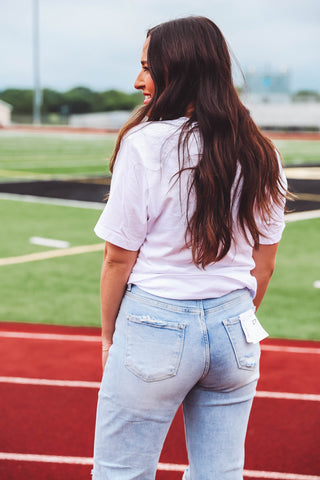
(52, 101)
(79, 100)
(306, 95)
(21, 100)
(117, 100)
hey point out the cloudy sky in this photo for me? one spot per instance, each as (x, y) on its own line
(97, 43)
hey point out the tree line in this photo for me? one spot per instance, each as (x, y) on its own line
(76, 100)
(85, 100)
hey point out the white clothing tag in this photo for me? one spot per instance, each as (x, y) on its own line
(252, 328)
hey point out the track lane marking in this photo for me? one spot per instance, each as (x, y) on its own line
(168, 467)
(278, 475)
(279, 348)
(97, 339)
(51, 336)
(49, 382)
(308, 397)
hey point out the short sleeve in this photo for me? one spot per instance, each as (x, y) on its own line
(271, 230)
(124, 219)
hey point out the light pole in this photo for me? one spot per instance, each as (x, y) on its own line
(37, 97)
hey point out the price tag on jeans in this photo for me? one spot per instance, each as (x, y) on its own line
(252, 328)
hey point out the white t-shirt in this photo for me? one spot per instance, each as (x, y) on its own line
(146, 212)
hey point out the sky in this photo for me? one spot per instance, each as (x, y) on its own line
(97, 43)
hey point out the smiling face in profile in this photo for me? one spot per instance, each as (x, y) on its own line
(144, 80)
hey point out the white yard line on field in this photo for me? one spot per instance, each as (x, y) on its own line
(167, 467)
(60, 202)
(32, 257)
(49, 242)
(64, 252)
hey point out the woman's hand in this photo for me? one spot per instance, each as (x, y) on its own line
(105, 354)
(265, 259)
(116, 269)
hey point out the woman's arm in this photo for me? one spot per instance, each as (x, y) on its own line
(265, 259)
(116, 269)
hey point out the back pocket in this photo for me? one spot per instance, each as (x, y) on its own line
(247, 354)
(154, 347)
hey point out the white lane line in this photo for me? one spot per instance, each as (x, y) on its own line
(51, 336)
(311, 197)
(289, 396)
(95, 338)
(25, 457)
(49, 383)
(290, 217)
(305, 173)
(283, 349)
(88, 384)
(278, 475)
(49, 242)
(52, 254)
(168, 467)
(296, 216)
(52, 201)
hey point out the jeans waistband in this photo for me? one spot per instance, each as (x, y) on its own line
(236, 296)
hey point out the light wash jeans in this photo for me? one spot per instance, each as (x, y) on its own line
(167, 352)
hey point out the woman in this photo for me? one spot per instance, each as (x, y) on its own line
(192, 227)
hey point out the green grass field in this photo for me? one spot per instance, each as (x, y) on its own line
(62, 291)
(65, 291)
(35, 156)
(291, 307)
(299, 152)
(44, 156)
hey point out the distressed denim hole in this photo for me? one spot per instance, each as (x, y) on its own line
(247, 354)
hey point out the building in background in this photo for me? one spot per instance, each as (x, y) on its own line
(268, 97)
(266, 94)
(286, 116)
(267, 86)
(112, 120)
(5, 113)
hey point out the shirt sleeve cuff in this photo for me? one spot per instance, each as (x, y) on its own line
(116, 239)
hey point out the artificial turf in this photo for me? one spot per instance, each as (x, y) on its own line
(40, 156)
(34, 156)
(65, 291)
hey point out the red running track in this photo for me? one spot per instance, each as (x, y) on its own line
(57, 420)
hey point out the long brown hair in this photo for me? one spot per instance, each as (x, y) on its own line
(190, 65)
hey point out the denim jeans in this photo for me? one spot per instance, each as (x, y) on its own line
(167, 352)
